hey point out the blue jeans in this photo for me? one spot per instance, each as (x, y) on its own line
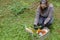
(42, 19)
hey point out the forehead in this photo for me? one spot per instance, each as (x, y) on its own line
(43, 1)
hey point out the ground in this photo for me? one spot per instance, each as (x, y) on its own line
(12, 26)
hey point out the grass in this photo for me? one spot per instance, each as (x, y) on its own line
(12, 27)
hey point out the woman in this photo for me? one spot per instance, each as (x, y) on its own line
(44, 15)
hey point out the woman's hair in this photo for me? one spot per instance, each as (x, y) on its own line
(47, 4)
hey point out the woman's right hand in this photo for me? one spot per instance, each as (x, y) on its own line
(35, 27)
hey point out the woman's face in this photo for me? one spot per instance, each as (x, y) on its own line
(43, 5)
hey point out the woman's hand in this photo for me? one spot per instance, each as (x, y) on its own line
(35, 27)
(46, 21)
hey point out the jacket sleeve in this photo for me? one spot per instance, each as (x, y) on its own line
(37, 16)
(51, 11)
(50, 15)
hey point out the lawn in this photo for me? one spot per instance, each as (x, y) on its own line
(15, 14)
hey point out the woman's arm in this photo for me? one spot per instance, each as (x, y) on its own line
(51, 10)
(37, 16)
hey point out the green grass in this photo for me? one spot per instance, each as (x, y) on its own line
(12, 27)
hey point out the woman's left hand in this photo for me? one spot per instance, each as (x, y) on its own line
(46, 21)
